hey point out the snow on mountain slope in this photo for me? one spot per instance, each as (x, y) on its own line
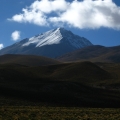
(55, 36)
(51, 44)
(48, 38)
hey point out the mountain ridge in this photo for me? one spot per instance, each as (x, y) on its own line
(95, 53)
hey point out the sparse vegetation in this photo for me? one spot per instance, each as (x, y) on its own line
(58, 113)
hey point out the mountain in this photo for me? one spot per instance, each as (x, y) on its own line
(95, 53)
(51, 44)
(27, 60)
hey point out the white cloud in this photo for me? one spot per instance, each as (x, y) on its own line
(90, 14)
(1, 46)
(15, 35)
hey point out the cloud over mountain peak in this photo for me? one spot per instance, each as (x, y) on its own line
(86, 14)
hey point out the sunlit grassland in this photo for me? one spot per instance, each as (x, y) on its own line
(58, 113)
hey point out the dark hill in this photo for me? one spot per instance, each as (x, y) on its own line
(68, 84)
(28, 60)
(94, 53)
(80, 71)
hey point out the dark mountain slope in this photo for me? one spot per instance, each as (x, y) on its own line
(80, 71)
(28, 60)
(94, 53)
(60, 85)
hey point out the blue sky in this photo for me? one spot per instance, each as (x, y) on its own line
(98, 20)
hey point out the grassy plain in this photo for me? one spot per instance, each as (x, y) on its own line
(58, 113)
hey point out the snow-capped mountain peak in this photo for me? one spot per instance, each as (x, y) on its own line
(47, 38)
(55, 36)
(53, 43)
